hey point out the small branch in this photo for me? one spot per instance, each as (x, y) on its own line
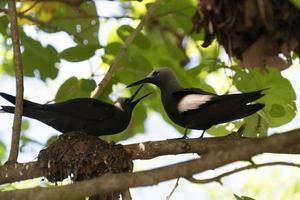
(219, 177)
(14, 150)
(173, 190)
(123, 50)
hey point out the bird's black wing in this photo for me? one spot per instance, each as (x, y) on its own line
(220, 100)
(187, 91)
(86, 108)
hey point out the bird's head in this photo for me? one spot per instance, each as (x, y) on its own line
(128, 104)
(158, 77)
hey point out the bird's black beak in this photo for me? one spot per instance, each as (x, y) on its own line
(145, 80)
(139, 99)
(135, 94)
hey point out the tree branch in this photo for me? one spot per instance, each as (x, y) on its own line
(148, 150)
(219, 177)
(123, 50)
(119, 182)
(14, 150)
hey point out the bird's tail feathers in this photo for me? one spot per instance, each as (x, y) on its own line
(7, 109)
(12, 99)
(250, 109)
(244, 98)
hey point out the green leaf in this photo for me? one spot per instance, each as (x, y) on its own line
(84, 30)
(2, 151)
(141, 40)
(279, 99)
(4, 25)
(75, 88)
(255, 126)
(224, 129)
(38, 58)
(51, 140)
(296, 3)
(242, 197)
(79, 53)
(25, 125)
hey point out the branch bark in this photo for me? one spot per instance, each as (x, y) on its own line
(148, 150)
(119, 182)
(14, 150)
(123, 50)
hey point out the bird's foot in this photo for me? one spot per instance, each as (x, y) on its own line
(201, 136)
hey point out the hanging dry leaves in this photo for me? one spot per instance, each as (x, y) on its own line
(259, 33)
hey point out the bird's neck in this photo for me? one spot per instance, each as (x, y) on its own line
(168, 87)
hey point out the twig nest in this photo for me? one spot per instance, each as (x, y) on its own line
(83, 157)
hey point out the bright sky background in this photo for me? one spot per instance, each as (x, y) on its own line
(156, 128)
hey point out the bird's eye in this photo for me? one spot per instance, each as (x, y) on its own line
(127, 100)
(155, 73)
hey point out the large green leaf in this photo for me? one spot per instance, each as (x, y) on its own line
(75, 88)
(4, 25)
(280, 97)
(37, 58)
(79, 52)
(255, 126)
(83, 29)
(140, 41)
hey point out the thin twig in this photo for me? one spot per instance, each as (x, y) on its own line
(30, 7)
(173, 190)
(219, 177)
(14, 150)
(123, 50)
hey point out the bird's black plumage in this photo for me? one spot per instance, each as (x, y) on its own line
(193, 108)
(86, 115)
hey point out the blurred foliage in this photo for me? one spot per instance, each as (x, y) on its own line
(166, 40)
(242, 197)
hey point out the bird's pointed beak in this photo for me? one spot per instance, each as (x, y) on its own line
(145, 80)
(136, 93)
(139, 99)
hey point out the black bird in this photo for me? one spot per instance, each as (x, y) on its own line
(193, 108)
(86, 115)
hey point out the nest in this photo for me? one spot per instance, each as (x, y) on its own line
(82, 157)
(256, 32)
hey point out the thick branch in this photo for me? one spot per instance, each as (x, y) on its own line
(14, 150)
(118, 182)
(123, 50)
(148, 150)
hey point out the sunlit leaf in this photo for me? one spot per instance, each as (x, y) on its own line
(280, 96)
(79, 52)
(37, 58)
(75, 88)
(255, 126)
